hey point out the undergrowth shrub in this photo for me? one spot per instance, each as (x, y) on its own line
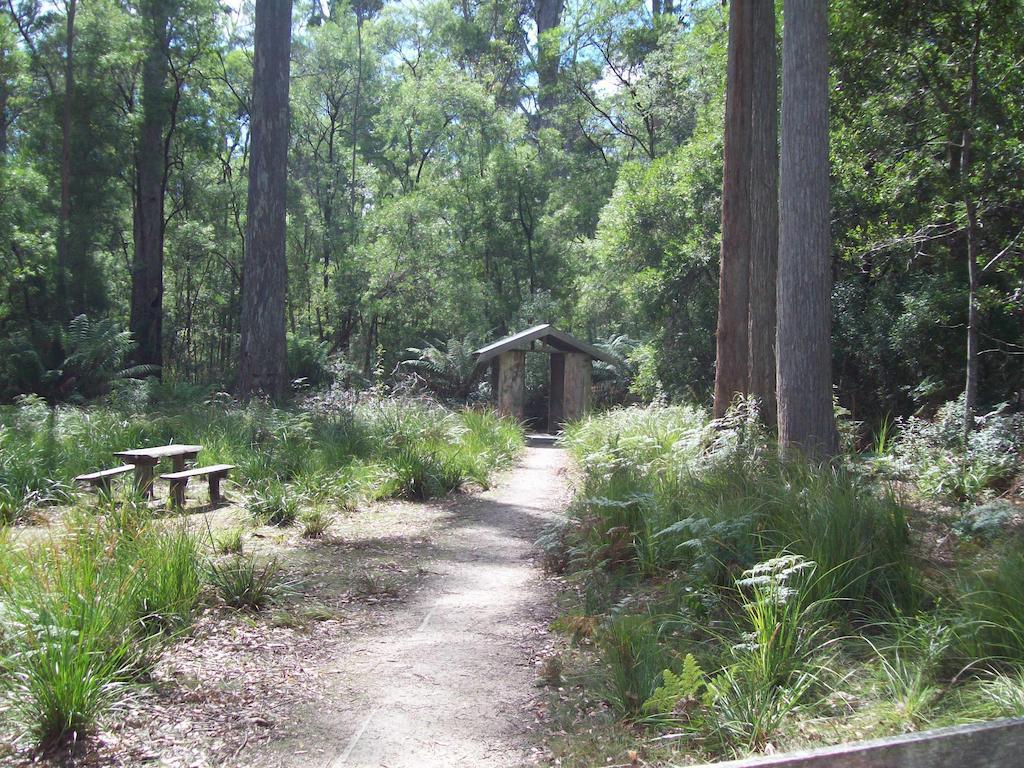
(241, 582)
(933, 454)
(634, 660)
(275, 504)
(717, 513)
(761, 562)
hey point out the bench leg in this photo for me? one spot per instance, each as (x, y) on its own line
(144, 479)
(215, 496)
(102, 486)
(178, 493)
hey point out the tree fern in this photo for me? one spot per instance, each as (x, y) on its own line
(96, 354)
(447, 367)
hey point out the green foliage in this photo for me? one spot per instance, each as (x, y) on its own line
(315, 523)
(240, 582)
(275, 504)
(308, 362)
(676, 689)
(634, 660)
(987, 521)
(423, 474)
(991, 607)
(448, 368)
(84, 611)
(229, 542)
(665, 489)
(97, 353)
(909, 665)
(934, 454)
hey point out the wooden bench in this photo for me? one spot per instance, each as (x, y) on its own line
(101, 480)
(146, 459)
(179, 481)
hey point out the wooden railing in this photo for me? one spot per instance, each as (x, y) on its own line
(998, 744)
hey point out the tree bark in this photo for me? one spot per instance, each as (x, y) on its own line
(732, 346)
(803, 343)
(146, 319)
(973, 318)
(764, 210)
(4, 97)
(64, 212)
(547, 14)
(263, 353)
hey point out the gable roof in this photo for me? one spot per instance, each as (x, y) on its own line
(547, 333)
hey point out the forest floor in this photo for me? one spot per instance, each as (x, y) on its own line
(413, 637)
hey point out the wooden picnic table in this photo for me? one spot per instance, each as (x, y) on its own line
(146, 459)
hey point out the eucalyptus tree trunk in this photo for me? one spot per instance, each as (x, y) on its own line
(4, 97)
(263, 353)
(973, 271)
(764, 210)
(803, 343)
(151, 162)
(731, 338)
(547, 14)
(64, 212)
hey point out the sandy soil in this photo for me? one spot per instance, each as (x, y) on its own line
(413, 638)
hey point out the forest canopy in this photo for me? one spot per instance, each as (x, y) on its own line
(461, 170)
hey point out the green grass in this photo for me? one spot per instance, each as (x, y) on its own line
(377, 448)
(675, 547)
(241, 582)
(315, 523)
(85, 612)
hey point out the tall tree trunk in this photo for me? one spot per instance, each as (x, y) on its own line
(64, 212)
(547, 14)
(973, 319)
(4, 124)
(146, 320)
(803, 344)
(732, 346)
(764, 210)
(263, 353)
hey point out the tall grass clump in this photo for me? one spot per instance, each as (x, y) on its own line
(713, 499)
(243, 583)
(275, 504)
(634, 660)
(990, 607)
(83, 614)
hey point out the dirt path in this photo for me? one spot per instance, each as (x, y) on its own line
(448, 677)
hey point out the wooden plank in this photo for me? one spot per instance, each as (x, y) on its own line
(179, 481)
(160, 452)
(512, 383)
(998, 744)
(213, 469)
(578, 380)
(556, 401)
(105, 474)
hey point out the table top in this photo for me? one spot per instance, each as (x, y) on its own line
(160, 452)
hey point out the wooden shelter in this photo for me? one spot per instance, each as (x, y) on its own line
(571, 371)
